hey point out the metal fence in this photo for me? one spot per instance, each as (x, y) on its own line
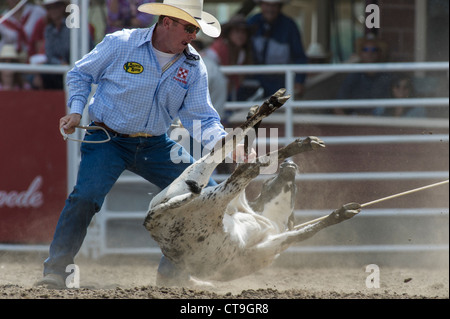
(96, 244)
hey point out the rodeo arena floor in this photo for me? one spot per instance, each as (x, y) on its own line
(134, 277)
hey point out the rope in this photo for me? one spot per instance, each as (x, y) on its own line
(404, 193)
(378, 201)
(66, 137)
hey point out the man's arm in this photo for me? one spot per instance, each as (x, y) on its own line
(86, 72)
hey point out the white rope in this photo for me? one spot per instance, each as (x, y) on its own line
(67, 137)
(404, 193)
(378, 201)
(12, 11)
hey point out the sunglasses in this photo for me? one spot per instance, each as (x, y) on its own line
(370, 49)
(188, 28)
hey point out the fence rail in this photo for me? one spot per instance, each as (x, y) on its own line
(34, 68)
(330, 104)
(337, 68)
(290, 70)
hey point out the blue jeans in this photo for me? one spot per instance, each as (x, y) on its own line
(100, 167)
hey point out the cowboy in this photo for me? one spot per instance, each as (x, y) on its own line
(145, 79)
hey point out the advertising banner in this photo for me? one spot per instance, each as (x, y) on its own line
(33, 165)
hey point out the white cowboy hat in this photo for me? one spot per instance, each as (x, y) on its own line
(9, 52)
(187, 10)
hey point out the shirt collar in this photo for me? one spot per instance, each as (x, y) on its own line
(147, 36)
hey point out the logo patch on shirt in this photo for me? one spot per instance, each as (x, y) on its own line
(133, 68)
(182, 74)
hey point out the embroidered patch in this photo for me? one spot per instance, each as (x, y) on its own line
(182, 74)
(133, 68)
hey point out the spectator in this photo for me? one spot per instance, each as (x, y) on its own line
(366, 85)
(57, 34)
(18, 28)
(10, 80)
(402, 88)
(51, 43)
(276, 40)
(233, 48)
(36, 50)
(124, 14)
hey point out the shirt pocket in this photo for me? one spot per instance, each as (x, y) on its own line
(171, 96)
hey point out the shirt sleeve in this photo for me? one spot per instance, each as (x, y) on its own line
(198, 115)
(88, 71)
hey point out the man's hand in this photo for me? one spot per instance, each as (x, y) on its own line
(69, 122)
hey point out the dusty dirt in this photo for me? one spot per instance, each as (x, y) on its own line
(134, 278)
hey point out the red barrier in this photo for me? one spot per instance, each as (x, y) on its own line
(33, 165)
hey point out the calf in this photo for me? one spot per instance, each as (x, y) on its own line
(214, 232)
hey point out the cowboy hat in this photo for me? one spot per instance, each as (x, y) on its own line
(187, 10)
(9, 51)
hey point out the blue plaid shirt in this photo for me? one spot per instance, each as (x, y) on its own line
(134, 94)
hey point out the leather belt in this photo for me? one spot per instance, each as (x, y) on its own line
(106, 127)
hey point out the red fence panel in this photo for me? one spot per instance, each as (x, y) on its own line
(33, 165)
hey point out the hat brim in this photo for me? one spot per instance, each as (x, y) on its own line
(207, 22)
(210, 25)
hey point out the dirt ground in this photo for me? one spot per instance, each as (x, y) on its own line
(134, 278)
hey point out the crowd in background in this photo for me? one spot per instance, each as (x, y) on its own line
(37, 34)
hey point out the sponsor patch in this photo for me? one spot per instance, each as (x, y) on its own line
(133, 68)
(182, 74)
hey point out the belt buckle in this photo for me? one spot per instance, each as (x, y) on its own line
(140, 135)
